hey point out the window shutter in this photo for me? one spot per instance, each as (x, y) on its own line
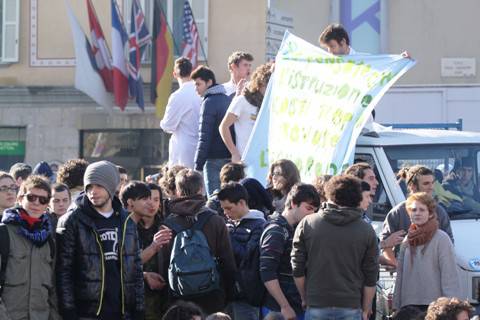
(10, 30)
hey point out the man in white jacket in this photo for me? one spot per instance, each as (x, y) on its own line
(182, 116)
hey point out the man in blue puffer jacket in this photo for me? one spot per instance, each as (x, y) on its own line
(211, 153)
(245, 227)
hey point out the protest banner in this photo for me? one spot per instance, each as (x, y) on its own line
(315, 107)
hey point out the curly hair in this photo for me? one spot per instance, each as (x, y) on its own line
(320, 183)
(260, 78)
(448, 309)
(344, 190)
(167, 182)
(71, 173)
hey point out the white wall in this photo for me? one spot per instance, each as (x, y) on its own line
(431, 104)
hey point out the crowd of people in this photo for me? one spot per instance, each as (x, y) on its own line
(91, 246)
(201, 240)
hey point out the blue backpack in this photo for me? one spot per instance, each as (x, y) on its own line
(193, 269)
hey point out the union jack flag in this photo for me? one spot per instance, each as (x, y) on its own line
(138, 39)
(190, 35)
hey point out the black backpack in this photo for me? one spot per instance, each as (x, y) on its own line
(5, 252)
(251, 285)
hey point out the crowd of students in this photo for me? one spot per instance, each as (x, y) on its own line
(200, 239)
(163, 249)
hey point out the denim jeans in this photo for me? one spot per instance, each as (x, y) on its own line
(242, 311)
(333, 314)
(211, 174)
(265, 311)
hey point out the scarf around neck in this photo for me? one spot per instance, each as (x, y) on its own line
(35, 230)
(421, 235)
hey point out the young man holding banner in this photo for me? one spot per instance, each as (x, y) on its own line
(334, 38)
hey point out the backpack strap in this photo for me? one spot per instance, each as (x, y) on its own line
(4, 253)
(201, 219)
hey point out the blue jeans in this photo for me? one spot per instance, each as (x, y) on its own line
(333, 314)
(265, 311)
(242, 311)
(211, 174)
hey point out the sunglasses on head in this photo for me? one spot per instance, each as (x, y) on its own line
(33, 198)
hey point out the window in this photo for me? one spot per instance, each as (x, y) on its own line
(138, 150)
(173, 10)
(12, 146)
(456, 188)
(9, 24)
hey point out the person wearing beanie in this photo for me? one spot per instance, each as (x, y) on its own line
(43, 169)
(426, 268)
(98, 253)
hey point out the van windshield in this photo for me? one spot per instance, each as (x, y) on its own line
(455, 168)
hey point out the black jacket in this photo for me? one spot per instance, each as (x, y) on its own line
(210, 144)
(80, 264)
(275, 249)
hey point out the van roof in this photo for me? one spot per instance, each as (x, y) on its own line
(395, 137)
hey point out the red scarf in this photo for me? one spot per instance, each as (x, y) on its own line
(28, 219)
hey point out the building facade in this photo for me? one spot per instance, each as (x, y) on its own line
(43, 117)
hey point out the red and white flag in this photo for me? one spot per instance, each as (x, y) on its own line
(100, 48)
(190, 35)
(87, 78)
(120, 73)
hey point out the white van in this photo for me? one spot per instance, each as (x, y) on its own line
(394, 149)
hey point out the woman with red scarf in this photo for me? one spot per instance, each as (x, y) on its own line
(426, 263)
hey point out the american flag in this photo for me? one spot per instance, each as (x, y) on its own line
(190, 35)
(138, 39)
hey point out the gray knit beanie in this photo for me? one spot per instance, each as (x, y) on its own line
(103, 173)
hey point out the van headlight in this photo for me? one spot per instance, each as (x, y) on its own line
(476, 288)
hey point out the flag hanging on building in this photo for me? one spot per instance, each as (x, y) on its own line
(138, 40)
(87, 78)
(162, 60)
(100, 48)
(120, 73)
(190, 35)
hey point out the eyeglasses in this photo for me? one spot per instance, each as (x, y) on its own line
(7, 188)
(276, 174)
(33, 198)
